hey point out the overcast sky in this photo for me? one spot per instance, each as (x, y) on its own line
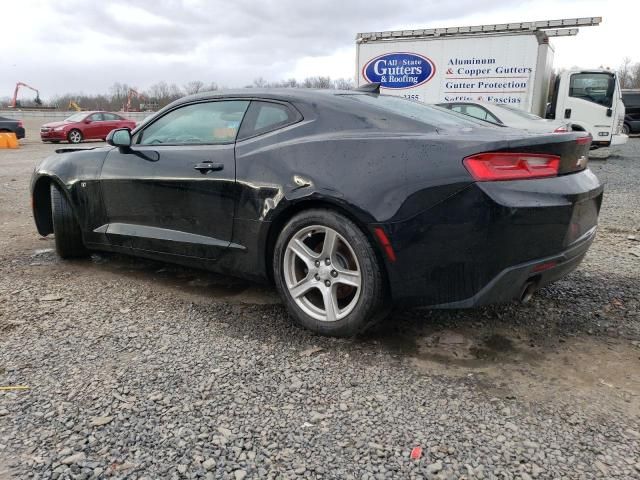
(85, 46)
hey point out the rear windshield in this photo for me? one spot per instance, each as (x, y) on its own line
(429, 114)
(520, 113)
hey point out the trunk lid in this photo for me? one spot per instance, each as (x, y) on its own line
(572, 148)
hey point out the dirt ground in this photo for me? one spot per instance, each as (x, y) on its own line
(576, 346)
(590, 366)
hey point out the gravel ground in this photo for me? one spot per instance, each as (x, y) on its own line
(138, 369)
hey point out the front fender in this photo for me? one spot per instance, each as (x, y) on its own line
(76, 174)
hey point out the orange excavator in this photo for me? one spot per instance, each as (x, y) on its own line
(14, 101)
(132, 93)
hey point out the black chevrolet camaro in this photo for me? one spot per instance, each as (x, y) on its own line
(350, 202)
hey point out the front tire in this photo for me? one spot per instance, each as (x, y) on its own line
(65, 227)
(74, 136)
(328, 274)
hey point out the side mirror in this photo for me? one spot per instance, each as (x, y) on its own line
(120, 137)
(87, 120)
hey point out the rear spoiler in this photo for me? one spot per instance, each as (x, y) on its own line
(373, 87)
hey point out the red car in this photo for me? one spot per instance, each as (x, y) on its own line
(84, 126)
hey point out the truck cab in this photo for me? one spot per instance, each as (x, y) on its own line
(591, 100)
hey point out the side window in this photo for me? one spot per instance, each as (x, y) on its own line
(111, 117)
(264, 117)
(199, 123)
(476, 112)
(271, 115)
(96, 117)
(593, 87)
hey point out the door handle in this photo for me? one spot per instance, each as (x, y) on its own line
(567, 113)
(208, 166)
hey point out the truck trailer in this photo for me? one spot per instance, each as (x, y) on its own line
(504, 63)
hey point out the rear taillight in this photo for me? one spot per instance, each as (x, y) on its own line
(586, 140)
(493, 166)
(20, 124)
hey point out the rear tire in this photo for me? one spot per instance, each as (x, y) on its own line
(65, 227)
(625, 129)
(328, 274)
(74, 136)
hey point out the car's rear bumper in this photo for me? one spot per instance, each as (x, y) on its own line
(513, 282)
(20, 131)
(485, 243)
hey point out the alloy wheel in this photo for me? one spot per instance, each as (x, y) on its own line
(75, 136)
(322, 273)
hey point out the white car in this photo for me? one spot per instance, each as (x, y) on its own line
(508, 116)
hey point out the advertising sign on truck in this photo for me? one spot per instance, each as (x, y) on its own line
(498, 69)
(509, 64)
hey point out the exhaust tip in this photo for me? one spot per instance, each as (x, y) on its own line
(527, 292)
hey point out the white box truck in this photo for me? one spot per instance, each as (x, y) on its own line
(506, 63)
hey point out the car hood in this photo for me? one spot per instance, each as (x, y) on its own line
(57, 124)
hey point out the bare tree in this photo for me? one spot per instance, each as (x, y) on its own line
(193, 86)
(212, 87)
(625, 75)
(162, 93)
(635, 76)
(343, 84)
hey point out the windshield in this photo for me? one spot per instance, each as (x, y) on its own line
(76, 117)
(520, 113)
(429, 114)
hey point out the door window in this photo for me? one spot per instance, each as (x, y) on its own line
(96, 117)
(111, 117)
(197, 124)
(264, 117)
(596, 87)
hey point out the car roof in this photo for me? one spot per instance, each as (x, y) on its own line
(292, 94)
(275, 93)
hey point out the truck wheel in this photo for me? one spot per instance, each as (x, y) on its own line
(74, 136)
(65, 227)
(328, 274)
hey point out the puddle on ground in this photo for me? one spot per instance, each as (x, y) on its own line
(587, 370)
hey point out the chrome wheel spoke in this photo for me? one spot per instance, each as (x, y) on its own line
(303, 252)
(348, 277)
(330, 244)
(302, 287)
(329, 299)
